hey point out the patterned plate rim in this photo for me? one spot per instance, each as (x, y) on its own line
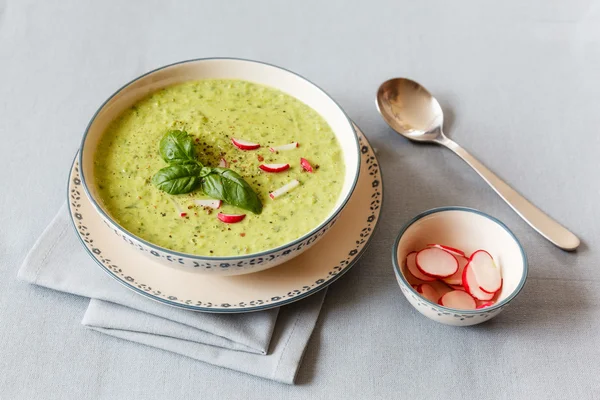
(259, 305)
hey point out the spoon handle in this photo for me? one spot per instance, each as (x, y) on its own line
(536, 218)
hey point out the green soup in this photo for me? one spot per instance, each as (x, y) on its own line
(212, 112)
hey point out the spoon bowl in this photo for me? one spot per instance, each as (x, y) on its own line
(410, 110)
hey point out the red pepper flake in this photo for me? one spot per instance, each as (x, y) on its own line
(261, 158)
(234, 161)
(242, 234)
(182, 215)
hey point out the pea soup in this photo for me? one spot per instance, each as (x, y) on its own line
(212, 112)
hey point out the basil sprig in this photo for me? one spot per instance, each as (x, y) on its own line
(185, 174)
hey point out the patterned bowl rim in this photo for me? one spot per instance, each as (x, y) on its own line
(331, 217)
(496, 306)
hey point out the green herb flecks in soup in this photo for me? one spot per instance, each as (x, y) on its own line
(185, 131)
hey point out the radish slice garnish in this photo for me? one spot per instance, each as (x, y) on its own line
(284, 189)
(208, 203)
(459, 300)
(411, 265)
(181, 213)
(456, 278)
(453, 250)
(244, 145)
(427, 291)
(231, 218)
(457, 287)
(306, 165)
(487, 273)
(285, 147)
(501, 283)
(436, 262)
(274, 167)
(471, 285)
(223, 163)
(483, 304)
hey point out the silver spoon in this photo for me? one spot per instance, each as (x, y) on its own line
(413, 112)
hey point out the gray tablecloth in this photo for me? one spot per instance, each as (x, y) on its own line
(520, 84)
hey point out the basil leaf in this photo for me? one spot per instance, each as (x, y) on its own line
(178, 178)
(225, 184)
(177, 147)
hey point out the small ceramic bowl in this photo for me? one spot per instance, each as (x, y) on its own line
(223, 68)
(469, 230)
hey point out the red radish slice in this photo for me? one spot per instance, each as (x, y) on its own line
(456, 278)
(487, 273)
(501, 283)
(285, 147)
(483, 304)
(181, 213)
(427, 291)
(457, 287)
(231, 218)
(244, 145)
(411, 265)
(459, 300)
(208, 203)
(436, 262)
(223, 163)
(284, 189)
(453, 250)
(306, 165)
(471, 285)
(274, 167)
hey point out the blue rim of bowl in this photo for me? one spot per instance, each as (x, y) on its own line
(400, 275)
(209, 258)
(236, 310)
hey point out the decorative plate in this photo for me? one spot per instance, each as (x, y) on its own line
(293, 280)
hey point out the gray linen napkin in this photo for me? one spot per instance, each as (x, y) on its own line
(269, 344)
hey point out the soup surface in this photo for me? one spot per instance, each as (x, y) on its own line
(212, 112)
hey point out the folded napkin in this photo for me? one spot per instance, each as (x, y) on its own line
(269, 344)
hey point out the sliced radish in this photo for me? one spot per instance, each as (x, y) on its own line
(501, 283)
(411, 265)
(285, 147)
(274, 167)
(208, 203)
(471, 285)
(223, 163)
(483, 304)
(436, 262)
(427, 291)
(487, 273)
(453, 250)
(459, 300)
(181, 213)
(284, 189)
(244, 145)
(306, 165)
(456, 278)
(457, 287)
(231, 218)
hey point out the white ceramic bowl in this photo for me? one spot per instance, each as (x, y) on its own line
(222, 68)
(469, 230)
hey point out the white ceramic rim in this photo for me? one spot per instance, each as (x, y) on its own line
(332, 216)
(500, 304)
